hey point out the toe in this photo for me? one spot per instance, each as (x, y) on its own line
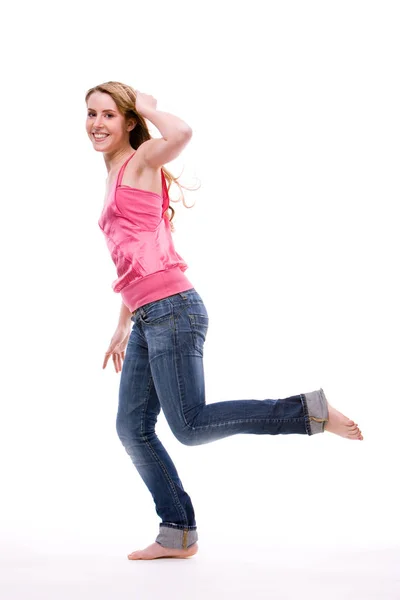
(354, 434)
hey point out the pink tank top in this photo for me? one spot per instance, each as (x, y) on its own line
(138, 235)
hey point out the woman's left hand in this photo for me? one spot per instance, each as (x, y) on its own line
(144, 101)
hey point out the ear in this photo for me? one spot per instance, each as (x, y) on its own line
(131, 124)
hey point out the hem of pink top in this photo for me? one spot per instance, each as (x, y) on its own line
(155, 287)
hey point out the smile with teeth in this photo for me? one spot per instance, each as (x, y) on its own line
(100, 136)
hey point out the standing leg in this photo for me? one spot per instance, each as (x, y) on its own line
(138, 410)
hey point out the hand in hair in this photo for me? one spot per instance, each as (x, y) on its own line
(144, 101)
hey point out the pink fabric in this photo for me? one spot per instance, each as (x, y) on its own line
(138, 235)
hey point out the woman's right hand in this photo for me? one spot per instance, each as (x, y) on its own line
(119, 342)
(143, 102)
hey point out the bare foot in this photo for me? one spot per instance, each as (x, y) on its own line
(155, 550)
(341, 425)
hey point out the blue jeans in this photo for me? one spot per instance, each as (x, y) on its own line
(163, 368)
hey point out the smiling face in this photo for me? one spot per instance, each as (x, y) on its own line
(105, 125)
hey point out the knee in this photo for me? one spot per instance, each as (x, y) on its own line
(121, 428)
(129, 436)
(186, 435)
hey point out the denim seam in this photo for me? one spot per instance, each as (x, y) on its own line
(175, 498)
(189, 303)
(176, 358)
(181, 527)
(306, 414)
(293, 420)
(192, 333)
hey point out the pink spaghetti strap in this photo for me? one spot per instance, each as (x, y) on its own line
(165, 196)
(165, 204)
(122, 169)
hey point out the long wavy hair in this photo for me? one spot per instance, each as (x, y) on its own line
(124, 97)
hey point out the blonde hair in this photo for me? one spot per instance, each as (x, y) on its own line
(124, 97)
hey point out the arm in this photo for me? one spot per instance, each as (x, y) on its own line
(119, 340)
(154, 153)
(124, 316)
(170, 126)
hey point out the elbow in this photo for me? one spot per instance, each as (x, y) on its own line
(180, 137)
(185, 132)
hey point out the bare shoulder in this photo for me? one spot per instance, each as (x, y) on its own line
(142, 175)
(140, 161)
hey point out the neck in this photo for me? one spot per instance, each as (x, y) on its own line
(116, 158)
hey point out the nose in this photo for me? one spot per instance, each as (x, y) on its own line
(97, 122)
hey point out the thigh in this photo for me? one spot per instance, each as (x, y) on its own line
(175, 329)
(138, 401)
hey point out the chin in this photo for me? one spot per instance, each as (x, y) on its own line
(101, 150)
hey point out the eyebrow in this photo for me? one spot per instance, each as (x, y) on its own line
(106, 110)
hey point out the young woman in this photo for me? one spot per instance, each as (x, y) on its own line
(163, 364)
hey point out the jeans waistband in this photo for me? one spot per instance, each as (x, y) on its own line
(187, 295)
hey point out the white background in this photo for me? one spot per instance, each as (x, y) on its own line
(292, 243)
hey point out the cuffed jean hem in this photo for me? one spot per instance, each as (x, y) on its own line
(316, 411)
(177, 536)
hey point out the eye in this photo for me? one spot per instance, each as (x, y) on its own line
(91, 114)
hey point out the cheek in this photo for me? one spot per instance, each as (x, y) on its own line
(115, 128)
